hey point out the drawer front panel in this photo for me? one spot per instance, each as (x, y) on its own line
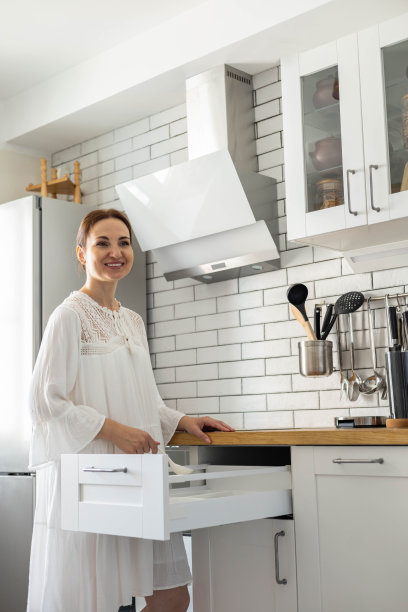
(138, 502)
(364, 460)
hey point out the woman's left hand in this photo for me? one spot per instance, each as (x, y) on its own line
(195, 425)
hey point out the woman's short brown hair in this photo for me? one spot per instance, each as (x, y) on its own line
(93, 217)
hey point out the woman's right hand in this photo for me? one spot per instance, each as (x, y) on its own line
(130, 440)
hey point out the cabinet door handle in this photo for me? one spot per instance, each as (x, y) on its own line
(278, 580)
(95, 469)
(352, 212)
(339, 460)
(372, 167)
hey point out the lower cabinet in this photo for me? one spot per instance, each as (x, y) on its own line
(351, 511)
(245, 567)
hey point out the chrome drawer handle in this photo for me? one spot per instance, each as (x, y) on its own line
(278, 580)
(352, 212)
(95, 469)
(339, 460)
(372, 167)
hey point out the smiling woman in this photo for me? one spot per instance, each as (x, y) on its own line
(93, 391)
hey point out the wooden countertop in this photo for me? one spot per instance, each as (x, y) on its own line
(300, 437)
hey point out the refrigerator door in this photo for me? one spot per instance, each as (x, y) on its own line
(16, 513)
(18, 231)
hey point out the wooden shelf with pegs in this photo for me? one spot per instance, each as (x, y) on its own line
(58, 186)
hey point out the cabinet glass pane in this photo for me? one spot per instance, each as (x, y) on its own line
(395, 62)
(322, 140)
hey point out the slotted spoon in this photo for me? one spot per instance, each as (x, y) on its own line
(375, 382)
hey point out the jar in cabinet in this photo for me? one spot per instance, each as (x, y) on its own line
(329, 193)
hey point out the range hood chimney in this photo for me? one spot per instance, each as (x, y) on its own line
(211, 218)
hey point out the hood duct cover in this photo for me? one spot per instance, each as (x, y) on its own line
(212, 217)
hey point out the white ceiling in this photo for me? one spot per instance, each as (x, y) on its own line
(39, 39)
(69, 74)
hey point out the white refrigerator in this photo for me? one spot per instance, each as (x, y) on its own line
(39, 269)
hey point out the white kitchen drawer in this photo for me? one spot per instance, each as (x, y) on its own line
(361, 460)
(140, 502)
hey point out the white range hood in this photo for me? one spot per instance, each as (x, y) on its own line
(212, 217)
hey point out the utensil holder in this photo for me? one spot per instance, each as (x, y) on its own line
(315, 357)
(397, 380)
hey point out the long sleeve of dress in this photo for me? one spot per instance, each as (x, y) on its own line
(169, 417)
(59, 425)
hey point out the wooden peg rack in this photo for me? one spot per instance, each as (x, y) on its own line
(61, 186)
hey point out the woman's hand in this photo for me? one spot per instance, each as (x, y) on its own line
(195, 425)
(129, 439)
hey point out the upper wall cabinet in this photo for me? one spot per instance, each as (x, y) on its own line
(345, 121)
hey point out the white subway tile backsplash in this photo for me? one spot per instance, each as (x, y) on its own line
(268, 420)
(109, 180)
(165, 313)
(269, 126)
(197, 372)
(217, 321)
(176, 358)
(213, 354)
(264, 111)
(271, 159)
(243, 403)
(96, 144)
(354, 282)
(389, 278)
(196, 405)
(168, 116)
(266, 384)
(154, 285)
(114, 151)
(168, 146)
(202, 291)
(162, 345)
(193, 309)
(297, 257)
(284, 329)
(132, 158)
(134, 129)
(270, 348)
(282, 365)
(234, 419)
(178, 127)
(194, 340)
(332, 399)
(174, 296)
(267, 280)
(164, 375)
(275, 173)
(148, 138)
(235, 369)
(239, 301)
(304, 383)
(177, 390)
(67, 155)
(269, 92)
(293, 401)
(251, 333)
(268, 143)
(178, 157)
(265, 314)
(153, 165)
(317, 418)
(171, 328)
(86, 161)
(229, 386)
(262, 79)
(315, 271)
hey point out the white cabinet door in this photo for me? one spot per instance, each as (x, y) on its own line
(236, 568)
(383, 63)
(313, 130)
(351, 508)
(132, 495)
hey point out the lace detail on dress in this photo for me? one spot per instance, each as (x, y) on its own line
(102, 330)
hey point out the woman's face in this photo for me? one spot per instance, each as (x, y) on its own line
(108, 253)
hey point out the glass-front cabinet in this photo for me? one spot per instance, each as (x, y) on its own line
(345, 122)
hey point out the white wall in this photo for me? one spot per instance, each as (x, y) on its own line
(17, 170)
(230, 348)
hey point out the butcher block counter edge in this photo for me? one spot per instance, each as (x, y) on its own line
(375, 436)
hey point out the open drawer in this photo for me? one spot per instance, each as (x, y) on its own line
(133, 495)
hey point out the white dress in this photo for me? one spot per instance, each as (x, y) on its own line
(93, 363)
